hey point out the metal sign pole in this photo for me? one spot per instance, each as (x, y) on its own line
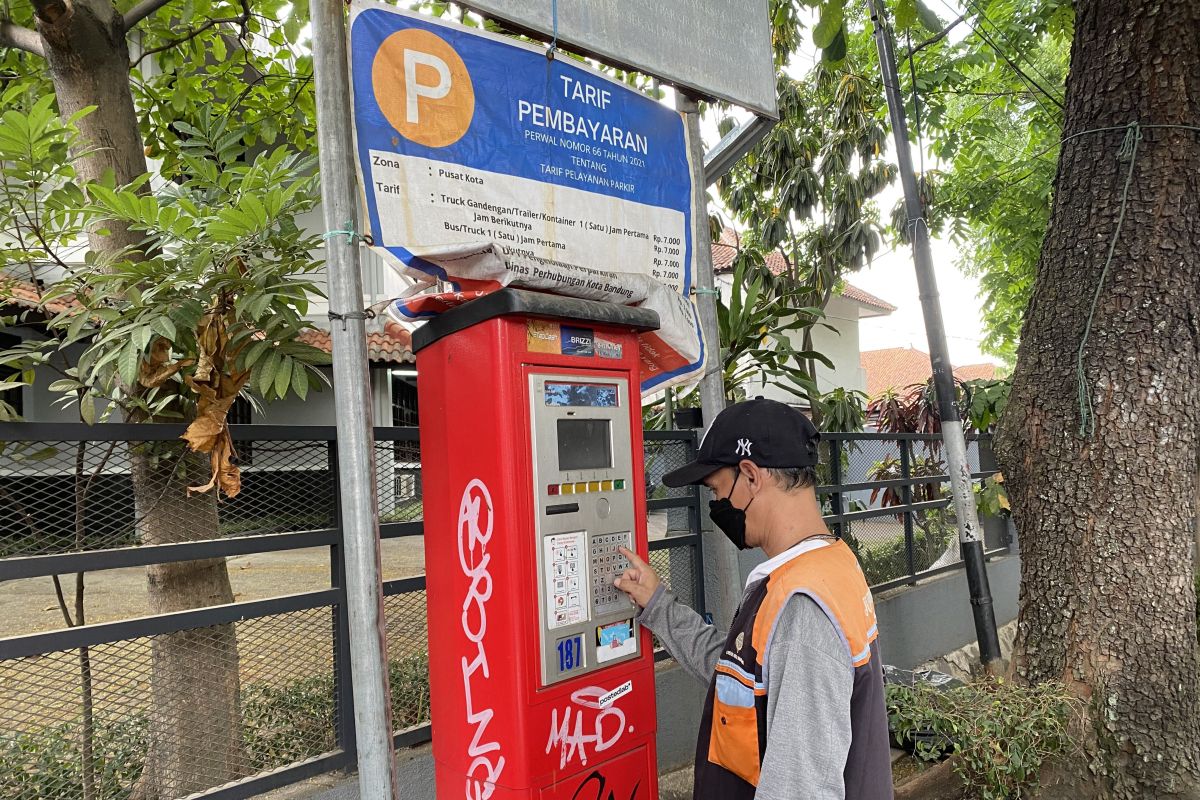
(352, 394)
(969, 532)
(723, 585)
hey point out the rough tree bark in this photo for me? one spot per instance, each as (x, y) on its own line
(1107, 599)
(195, 720)
(195, 712)
(85, 48)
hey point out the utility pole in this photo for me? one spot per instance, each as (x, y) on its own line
(352, 395)
(970, 535)
(722, 576)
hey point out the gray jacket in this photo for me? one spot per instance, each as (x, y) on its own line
(808, 694)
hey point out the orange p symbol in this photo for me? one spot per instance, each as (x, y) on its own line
(423, 88)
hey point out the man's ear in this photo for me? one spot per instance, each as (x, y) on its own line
(752, 472)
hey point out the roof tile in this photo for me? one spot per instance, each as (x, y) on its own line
(898, 368)
(724, 250)
(392, 345)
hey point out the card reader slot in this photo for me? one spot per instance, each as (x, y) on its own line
(562, 508)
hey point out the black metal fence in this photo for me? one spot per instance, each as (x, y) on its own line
(888, 495)
(103, 693)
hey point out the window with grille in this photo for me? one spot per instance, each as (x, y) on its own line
(404, 415)
(241, 413)
(15, 397)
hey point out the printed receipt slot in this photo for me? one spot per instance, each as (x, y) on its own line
(542, 683)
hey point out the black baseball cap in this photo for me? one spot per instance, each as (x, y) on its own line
(767, 432)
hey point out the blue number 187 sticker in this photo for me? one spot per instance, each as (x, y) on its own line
(570, 653)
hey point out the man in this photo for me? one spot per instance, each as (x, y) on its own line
(795, 704)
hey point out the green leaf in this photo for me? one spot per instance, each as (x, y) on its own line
(127, 364)
(928, 19)
(830, 23)
(906, 14)
(836, 51)
(164, 328)
(87, 409)
(300, 379)
(266, 375)
(283, 376)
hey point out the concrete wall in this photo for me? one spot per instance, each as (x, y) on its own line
(920, 623)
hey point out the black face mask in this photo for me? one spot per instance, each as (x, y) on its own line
(730, 520)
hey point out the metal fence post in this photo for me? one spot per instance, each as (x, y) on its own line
(352, 394)
(343, 686)
(835, 477)
(906, 497)
(694, 511)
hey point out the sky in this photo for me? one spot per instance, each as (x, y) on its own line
(891, 277)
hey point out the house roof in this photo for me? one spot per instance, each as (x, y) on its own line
(392, 345)
(898, 368)
(724, 250)
(14, 291)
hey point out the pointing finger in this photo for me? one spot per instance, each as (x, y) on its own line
(633, 558)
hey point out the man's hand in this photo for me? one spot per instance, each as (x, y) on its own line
(639, 581)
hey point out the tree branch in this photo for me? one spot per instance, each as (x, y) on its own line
(187, 37)
(140, 11)
(13, 35)
(937, 37)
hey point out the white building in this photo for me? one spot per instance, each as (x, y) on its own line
(839, 342)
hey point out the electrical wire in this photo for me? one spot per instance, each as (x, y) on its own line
(1013, 65)
(978, 9)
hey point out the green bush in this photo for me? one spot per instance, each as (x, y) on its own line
(886, 562)
(293, 722)
(48, 763)
(1001, 733)
(281, 724)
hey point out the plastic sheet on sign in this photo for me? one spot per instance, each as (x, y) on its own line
(477, 268)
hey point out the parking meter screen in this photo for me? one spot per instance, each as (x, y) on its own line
(597, 395)
(584, 444)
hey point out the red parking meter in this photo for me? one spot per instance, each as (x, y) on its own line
(542, 682)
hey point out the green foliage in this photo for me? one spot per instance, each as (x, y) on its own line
(757, 327)
(48, 762)
(281, 724)
(997, 135)
(1000, 733)
(843, 410)
(984, 401)
(247, 61)
(222, 243)
(991, 499)
(886, 561)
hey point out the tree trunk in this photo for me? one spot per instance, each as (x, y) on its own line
(88, 58)
(1107, 598)
(195, 715)
(195, 712)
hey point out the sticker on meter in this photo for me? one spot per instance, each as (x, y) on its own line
(566, 589)
(615, 640)
(570, 653)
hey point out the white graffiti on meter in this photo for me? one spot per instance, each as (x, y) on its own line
(585, 723)
(474, 558)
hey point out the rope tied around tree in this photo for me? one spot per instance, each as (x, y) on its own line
(1127, 152)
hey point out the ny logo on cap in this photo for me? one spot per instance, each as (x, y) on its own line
(743, 447)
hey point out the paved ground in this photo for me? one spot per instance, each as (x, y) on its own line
(29, 606)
